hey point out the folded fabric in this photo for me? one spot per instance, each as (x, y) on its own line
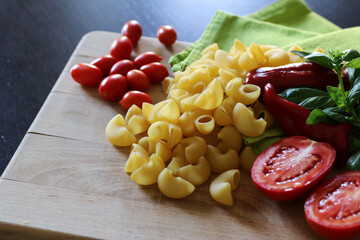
(283, 23)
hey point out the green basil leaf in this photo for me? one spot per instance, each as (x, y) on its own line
(317, 116)
(337, 114)
(301, 53)
(354, 162)
(354, 75)
(355, 63)
(273, 131)
(350, 54)
(354, 95)
(337, 95)
(321, 59)
(297, 95)
(316, 102)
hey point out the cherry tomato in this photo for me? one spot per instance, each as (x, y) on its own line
(145, 58)
(104, 63)
(156, 72)
(121, 48)
(291, 167)
(134, 97)
(86, 74)
(132, 29)
(137, 80)
(113, 87)
(332, 209)
(122, 67)
(166, 35)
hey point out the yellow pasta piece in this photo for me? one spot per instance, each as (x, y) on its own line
(177, 95)
(251, 59)
(245, 121)
(188, 104)
(196, 174)
(211, 48)
(174, 187)
(135, 120)
(222, 186)
(166, 110)
(167, 84)
(212, 66)
(230, 138)
(211, 138)
(294, 58)
(211, 97)
(178, 75)
(205, 124)
(248, 94)
(168, 132)
(117, 133)
(221, 162)
(196, 80)
(157, 147)
(223, 113)
(225, 59)
(266, 48)
(194, 147)
(261, 111)
(233, 86)
(247, 158)
(277, 57)
(225, 76)
(137, 158)
(178, 159)
(187, 125)
(148, 174)
(237, 47)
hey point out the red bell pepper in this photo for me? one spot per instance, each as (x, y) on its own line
(293, 75)
(292, 120)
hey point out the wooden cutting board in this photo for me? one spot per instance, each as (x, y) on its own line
(66, 181)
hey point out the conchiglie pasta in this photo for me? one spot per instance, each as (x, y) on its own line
(261, 111)
(229, 138)
(222, 186)
(148, 174)
(158, 147)
(197, 173)
(247, 158)
(117, 133)
(237, 47)
(209, 51)
(137, 158)
(168, 132)
(194, 148)
(166, 110)
(221, 162)
(246, 123)
(172, 186)
(211, 97)
(277, 57)
(135, 120)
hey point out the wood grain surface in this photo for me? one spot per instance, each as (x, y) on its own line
(66, 181)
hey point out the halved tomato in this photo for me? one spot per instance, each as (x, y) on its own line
(333, 208)
(291, 167)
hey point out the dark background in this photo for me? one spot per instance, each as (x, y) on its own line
(37, 38)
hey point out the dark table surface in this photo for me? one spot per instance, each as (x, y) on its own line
(37, 38)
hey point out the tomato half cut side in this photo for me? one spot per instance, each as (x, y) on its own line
(333, 208)
(292, 167)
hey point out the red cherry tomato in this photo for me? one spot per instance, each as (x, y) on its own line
(137, 80)
(121, 48)
(122, 67)
(113, 87)
(132, 29)
(291, 167)
(332, 209)
(104, 63)
(86, 74)
(156, 72)
(145, 58)
(134, 97)
(166, 35)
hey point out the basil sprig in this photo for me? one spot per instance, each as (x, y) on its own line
(336, 104)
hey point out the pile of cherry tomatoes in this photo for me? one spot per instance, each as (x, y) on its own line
(119, 78)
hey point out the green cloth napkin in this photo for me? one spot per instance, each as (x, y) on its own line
(283, 23)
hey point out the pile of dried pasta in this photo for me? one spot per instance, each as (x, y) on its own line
(198, 129)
